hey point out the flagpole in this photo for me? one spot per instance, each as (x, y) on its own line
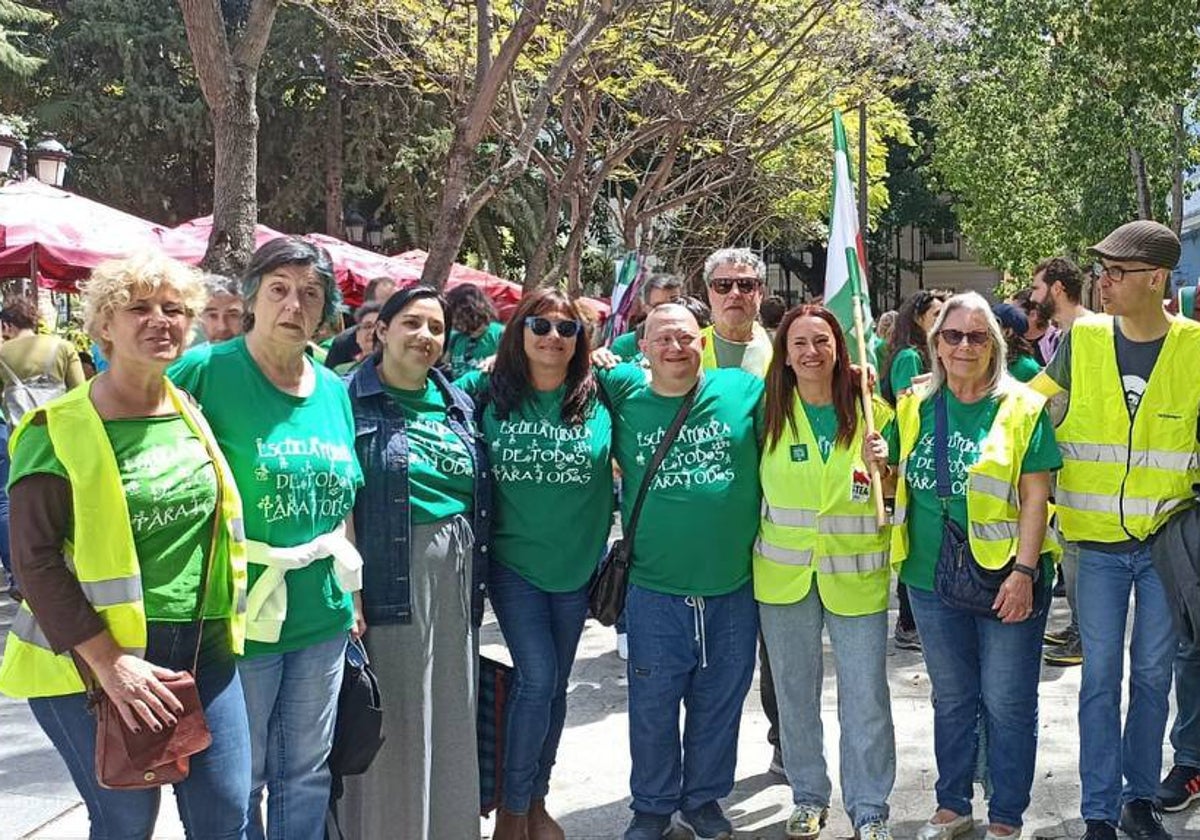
(864, 380)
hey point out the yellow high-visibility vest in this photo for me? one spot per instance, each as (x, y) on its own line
(758, 351)
(819, 522)
(993, 501)
(1123, 480)
(101, 552)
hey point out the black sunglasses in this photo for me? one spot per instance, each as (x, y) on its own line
(724, 285)
(542, 326)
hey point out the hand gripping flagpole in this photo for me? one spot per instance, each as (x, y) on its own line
(864, 377)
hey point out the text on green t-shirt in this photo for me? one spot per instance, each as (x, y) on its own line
(553, 487)
(294, 464)
(441, 474)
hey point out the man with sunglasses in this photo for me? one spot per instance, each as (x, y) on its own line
(735, 278)
(690, 614)
(1129, 444)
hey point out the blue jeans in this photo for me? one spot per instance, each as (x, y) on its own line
(1185, 734)
(291, 699)
(542, 631)
(212, 799)
(983, 672)
(698, 651)
(868, 746)
(1105, 753)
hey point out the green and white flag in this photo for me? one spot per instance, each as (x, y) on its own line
(845, 268)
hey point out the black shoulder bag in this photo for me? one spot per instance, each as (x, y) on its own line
(606, 592)
(959, 581)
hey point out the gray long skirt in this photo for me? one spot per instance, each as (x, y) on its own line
(424, 784)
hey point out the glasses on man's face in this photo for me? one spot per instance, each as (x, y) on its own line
(540, 326)
(684, 340)
(976, 338)
(724, 285)
(1117, 274)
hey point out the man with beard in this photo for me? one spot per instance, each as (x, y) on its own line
(1058, 291)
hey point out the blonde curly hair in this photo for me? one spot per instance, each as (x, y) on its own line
(115, 283)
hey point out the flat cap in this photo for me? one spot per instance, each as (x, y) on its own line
(1141, 241)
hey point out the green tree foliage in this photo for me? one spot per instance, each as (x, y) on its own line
(1056, 120)
(14, 59)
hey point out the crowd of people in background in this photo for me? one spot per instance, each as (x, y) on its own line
(242, 492)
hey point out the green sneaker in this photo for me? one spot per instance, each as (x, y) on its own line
(806, 822)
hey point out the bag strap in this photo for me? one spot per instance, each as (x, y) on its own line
(17, 381)
(941, 450)
(660, 455)
(206, 573)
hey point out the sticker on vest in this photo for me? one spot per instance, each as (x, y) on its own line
(799, 452)
(860, 487)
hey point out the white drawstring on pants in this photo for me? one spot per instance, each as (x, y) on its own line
(696, 602)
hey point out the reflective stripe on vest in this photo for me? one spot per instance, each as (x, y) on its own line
(1108, 453)
(1096, 503)
(831, 565)
(786, 556)
(25, 628)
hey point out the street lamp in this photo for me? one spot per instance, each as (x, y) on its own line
(10, 143)
(355, 226)
(49, 159)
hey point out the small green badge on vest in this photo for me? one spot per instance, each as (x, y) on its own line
(799, 452)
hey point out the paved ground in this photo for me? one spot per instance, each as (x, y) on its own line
(590, 784)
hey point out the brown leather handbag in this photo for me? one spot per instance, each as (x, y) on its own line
(127, 760)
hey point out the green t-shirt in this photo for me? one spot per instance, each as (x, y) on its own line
(465, 352)
(294, 463)
(1024, 368)
(171, 492)
(441, 474)
(822, 419)
(697, 528)
(906, 366)
(625, 346)
(969, 424)
(553, 488)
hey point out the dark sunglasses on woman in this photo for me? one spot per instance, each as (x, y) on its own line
(542, 326)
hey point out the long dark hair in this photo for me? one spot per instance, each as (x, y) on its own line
(510, 386)
(907, 332)
(781, 380)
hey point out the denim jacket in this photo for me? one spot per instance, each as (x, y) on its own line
(382, 510)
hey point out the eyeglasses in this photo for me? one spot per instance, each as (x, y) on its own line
(684, 340)
(542, 326)
(976, 338)
(724, 285)
(1115, 273)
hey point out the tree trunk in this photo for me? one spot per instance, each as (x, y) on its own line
(452, 219)
(1137, 165)
(335, 141)
(235, 170)
(228, 77)
(1177, 165)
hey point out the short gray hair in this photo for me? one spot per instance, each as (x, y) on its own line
(657, 282)
(735, 256)
(220, 284)
(997, 369)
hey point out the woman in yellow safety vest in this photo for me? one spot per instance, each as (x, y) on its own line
(822, 561)
(127, 539)
(993, 438)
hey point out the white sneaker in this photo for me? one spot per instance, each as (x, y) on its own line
(623, 646)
